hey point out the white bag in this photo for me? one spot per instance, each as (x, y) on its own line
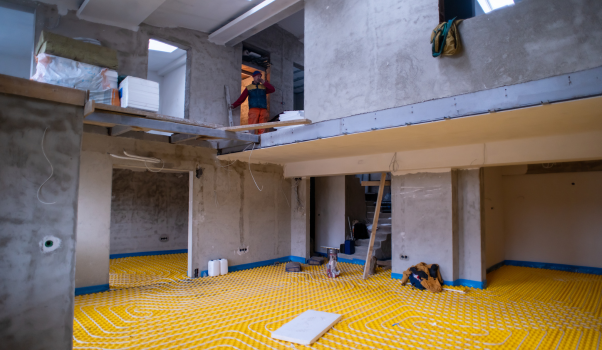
(69, 73)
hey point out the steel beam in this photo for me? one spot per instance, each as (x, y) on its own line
(176, 128)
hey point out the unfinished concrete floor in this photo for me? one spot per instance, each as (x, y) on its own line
(523, 308)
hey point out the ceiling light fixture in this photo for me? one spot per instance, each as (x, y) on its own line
(490, 5)
(159, 46)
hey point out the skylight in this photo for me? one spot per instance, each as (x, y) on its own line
(159, 46)
(490, 5)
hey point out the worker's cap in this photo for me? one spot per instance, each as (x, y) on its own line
(256, 73)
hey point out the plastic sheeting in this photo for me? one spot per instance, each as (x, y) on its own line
(69, 73)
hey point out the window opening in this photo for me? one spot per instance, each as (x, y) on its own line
(167, 66)
(463, 9)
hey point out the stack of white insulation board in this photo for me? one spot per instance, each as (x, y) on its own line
(139, 93)
(290, 115)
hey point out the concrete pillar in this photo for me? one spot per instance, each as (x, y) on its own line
(37, 249)
(437, 219)
(93, 223)
(471, 233)
(300, 218)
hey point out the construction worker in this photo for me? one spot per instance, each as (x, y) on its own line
(258, 103)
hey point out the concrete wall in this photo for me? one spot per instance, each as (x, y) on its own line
(229, 212)
(330, 212)
(285, 49)
(93, 220)
(37, 288)
(365, 56)
(424, 228)
(146, 206)
(471, 233)
(548, 219)
(17, 66)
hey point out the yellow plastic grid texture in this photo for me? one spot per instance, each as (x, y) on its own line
(147, 270)
(523, 308)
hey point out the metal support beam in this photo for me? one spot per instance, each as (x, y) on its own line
(119, 129)
(159, 125)
(265, 14)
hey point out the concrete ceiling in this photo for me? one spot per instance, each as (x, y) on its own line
(555, 119)
(202, 15)
(294, 24)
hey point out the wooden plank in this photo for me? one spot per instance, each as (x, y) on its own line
(267, 125)
(29, 88)
(89, 108)
(152, 115)
(159, 125)
(375, 183)
(379, 201)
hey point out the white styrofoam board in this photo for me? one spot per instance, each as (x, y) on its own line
(307, 328)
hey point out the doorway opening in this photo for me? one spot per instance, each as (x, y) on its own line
(150, 226)
(298, 87)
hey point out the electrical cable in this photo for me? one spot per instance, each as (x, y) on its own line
(51, 170)
(394, 165)
(250, 154)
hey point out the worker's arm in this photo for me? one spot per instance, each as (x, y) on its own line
(241, 99)
(268, 87)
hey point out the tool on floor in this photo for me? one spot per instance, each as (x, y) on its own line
(228, 106)
(331, 267)
(381, 187)
(292, 266)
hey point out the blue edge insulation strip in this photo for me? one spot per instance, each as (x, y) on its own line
(458, 282)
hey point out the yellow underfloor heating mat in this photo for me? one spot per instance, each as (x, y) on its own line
(147, 270)
(522, 308)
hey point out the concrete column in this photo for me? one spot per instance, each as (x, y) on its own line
(437, 219)
(93, 223)
(37, 248)
(471, 239)
(424, 228)
(300, 218)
